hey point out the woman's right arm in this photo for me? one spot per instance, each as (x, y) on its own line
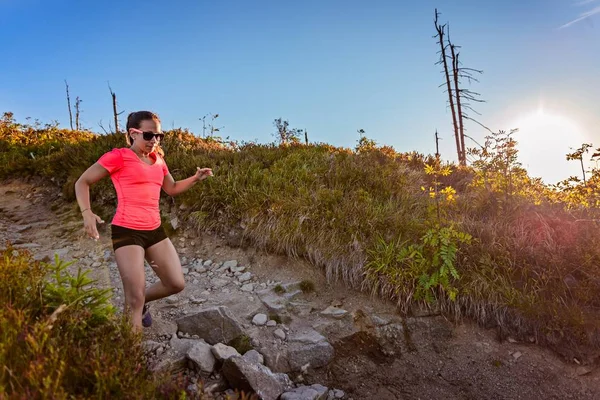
(82, 191)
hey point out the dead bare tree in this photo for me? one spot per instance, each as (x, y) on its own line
(460, 98)
(69, 105)
(441, 30)
(115, 112)
(77, 103)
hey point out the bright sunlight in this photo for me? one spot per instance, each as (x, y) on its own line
(544, 138)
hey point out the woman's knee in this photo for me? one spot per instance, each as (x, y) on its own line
(176, 286)
(136, 299)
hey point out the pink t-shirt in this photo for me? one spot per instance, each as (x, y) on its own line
(138, 188)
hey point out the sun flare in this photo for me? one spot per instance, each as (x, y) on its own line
(544, 138)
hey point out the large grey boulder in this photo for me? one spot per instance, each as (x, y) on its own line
(214, 325)
(304, 348)
(248, 376)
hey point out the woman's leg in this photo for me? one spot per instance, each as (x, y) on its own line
(130, 261)
(164, 260)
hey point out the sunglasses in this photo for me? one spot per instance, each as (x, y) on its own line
(149, 135)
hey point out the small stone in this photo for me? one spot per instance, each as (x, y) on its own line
(246, 276)
(249, 287)
(516, 355)
(259, 319)
(208, 263)
(278, 333)
(254, 357)
(334, 312)
(271, 323)
(195, 300)
(205, 293)
(235, 270)
(195, 281)
(338, 394)
(96, 264)
(185, 271)
(172, 299)
(511, 340)
(230, 264)
(223, 352)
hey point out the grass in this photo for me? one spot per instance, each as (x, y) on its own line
(307, 286)
(364, 216)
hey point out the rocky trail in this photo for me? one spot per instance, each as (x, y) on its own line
(302, 337)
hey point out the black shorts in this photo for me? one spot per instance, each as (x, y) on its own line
(122, 236)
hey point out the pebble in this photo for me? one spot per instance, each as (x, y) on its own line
(271, 323)
(280, 334)
(96, 264)
(249, 287)
(246, 276)
(259, 319)
(208, 263)
(172, 299)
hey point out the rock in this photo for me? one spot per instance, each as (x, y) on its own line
(214, 325)
(223, 352)
(197, 300)
(175, 223)
(246, 276)
(248, 287)
(219, 282)
(228, 265)
(185, 271)
(247, 376)
(202, 357)
(96, 264)
(334, 312)
(172, 299)
(305, 346)
(259, 319)
(150, 346)
(338, 394)
(208, 263)
(313, 392)
(272, 301)
(254, 357)
(239, 269)
(271, 323)
(278, 333)
(517, 354)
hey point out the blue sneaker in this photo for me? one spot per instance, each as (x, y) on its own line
(146, 317)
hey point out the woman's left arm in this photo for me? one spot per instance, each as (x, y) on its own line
(173, 188)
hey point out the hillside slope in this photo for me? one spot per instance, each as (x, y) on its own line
(378, 354)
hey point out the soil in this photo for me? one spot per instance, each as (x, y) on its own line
(416, 358)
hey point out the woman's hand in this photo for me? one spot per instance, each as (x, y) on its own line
(89, 224)
(203, 173)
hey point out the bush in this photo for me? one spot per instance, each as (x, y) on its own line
(60, 338)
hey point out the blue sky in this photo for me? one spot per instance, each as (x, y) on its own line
(331, 67)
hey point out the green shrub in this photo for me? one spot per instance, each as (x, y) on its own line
(60, 338)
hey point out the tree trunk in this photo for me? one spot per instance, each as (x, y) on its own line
(462, 158)
(440, 30)
(69, 105)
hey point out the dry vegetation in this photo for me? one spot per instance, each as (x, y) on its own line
(484, 242)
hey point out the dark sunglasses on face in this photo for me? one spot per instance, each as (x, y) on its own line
(149, 135)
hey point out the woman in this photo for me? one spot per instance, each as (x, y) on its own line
(138, 173)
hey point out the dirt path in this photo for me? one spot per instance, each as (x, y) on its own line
(419, 358)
